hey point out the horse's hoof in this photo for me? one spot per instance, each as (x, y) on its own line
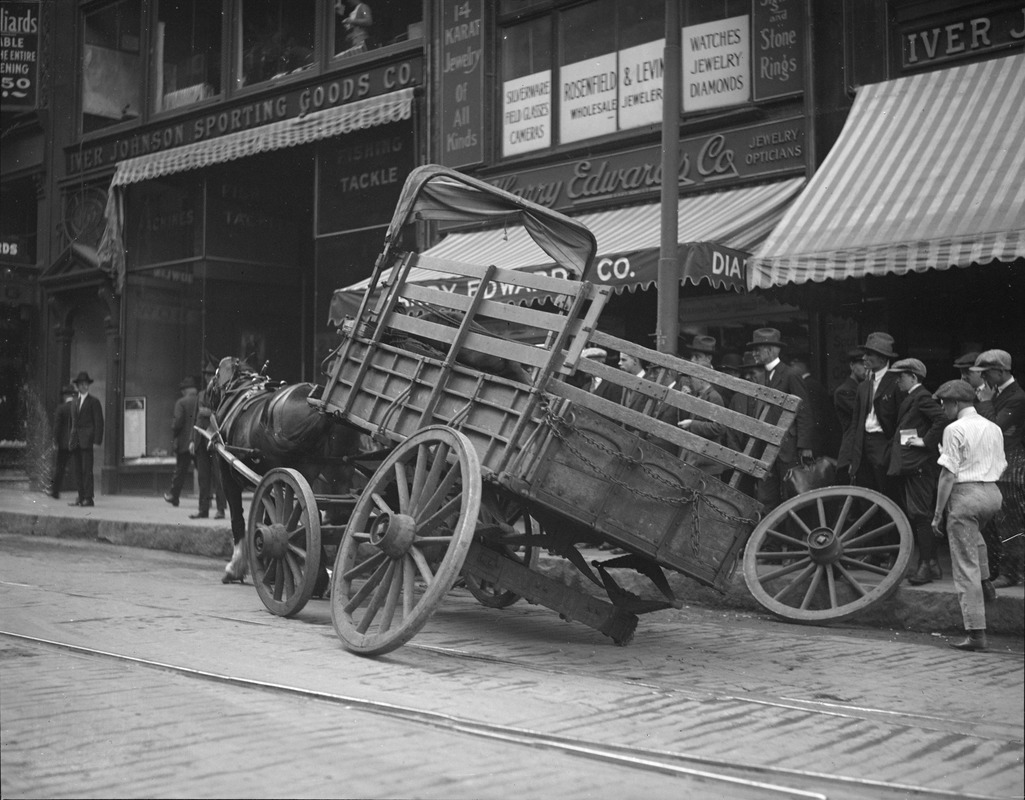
(229, 578)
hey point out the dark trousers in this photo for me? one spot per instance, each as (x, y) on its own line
(83, 461)
(181, 469)
(63, 456)
(770, 491)
(209, 478)
(874, 464)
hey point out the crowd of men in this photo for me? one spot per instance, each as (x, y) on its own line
(953, 460)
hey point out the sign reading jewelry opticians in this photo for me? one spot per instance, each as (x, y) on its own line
(461, 73)
(19, 51)
(527, 113)
(717, 63)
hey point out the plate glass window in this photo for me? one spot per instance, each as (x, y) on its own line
(186, 53)
(111, 65)
(276, 40)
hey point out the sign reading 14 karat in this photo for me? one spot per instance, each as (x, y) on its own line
(461, 84)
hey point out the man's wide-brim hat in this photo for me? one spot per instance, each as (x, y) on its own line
(881, 343)
(702, 344)
(731, 362)
(82, 377)
(765, 336)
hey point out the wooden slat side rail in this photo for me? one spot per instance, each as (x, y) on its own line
(661, 430)
(523, 354)
(764, 393)
(528, 280)
(686, 402)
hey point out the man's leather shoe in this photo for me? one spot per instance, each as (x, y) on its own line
(170, 498)
(922, 575)
(219, 515)
(975, 643)
(199, 515)
(1002, 582)
(87, 503)
(989, 592)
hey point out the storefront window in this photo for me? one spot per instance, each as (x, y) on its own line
(186, 53)
(527, 87)
(358, 27)
(18, 222)
(111, 65)
(277, 39)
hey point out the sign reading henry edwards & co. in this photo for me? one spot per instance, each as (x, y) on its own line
(718, 159)
(19, 56)
(225, 119)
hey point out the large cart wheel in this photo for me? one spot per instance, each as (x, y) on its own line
(283, 538)
(828, 554)
(406, 542)
(502, 521)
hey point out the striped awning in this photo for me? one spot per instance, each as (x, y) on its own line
(717, 231)
(928, 173)
(291, 132)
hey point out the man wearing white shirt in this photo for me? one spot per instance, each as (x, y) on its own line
(971, 461)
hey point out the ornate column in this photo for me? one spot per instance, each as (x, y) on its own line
(112, 403)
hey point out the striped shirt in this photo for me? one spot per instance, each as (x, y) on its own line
(973, 448)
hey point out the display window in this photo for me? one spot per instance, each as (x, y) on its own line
(186, 53)
(112, 65)
(275, 40)
(357, 27)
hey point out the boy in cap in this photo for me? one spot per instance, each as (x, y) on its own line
(1003, 403)
(913, 452)
(971, 460)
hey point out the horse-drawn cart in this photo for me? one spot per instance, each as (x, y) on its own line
(491, 450)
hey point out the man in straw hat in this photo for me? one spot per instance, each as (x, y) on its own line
(181, 437)
(86, 432)
(1004, 404)
(913, 453)
(971, 460)
(796, 445)
(874, 420)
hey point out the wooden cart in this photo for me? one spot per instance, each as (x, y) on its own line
(491, 453)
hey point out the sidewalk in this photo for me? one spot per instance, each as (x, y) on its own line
(152, 523)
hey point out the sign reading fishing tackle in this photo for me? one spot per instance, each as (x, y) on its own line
(19, 56)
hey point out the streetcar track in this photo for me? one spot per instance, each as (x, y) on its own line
(650, 760)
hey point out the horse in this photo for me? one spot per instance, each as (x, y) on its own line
(267, 425)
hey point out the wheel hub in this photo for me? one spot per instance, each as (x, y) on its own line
(393, 534)
(271, 541)
(823, 546)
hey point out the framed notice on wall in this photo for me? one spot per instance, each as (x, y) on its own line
(135, 427)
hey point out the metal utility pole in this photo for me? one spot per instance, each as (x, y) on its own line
(668, 324)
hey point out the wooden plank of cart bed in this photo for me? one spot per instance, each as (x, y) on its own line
(688, 441)
(774, 397)
(736, 420)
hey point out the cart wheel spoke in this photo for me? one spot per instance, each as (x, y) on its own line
(405, 531)
(827, 555)
(283, 539)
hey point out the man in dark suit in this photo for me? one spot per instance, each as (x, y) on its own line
(62, 439)
(86, 432)
(208, 473)
(181, 437)
(1002, 400)
(843, 403)
(874, 419)
(913, 455)
(826, 439)
(796, 444)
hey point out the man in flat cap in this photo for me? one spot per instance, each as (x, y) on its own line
(843, 403)
(595, 384)
(1003, 402)
(964, 364)
(796, 445)
(874, 419)
(971, 460)
(181, 436)
(913, 454)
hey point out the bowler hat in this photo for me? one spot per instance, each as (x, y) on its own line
(765, 336)
(881, 343)
(702, 344)
(731, 362)
(967, 360)
(955, 390)
(187, 383)
(992, 359)
(912, 365)
(82, 377)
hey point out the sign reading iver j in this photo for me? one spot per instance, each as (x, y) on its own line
(19, 55)
(462, 83)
